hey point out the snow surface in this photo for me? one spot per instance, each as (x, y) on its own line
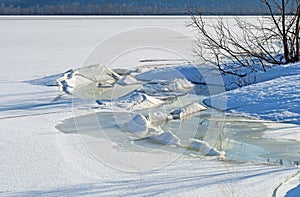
(276, 100)
(282, 131)
(191, 73)
(211, 76)
(38, 160)
(289, 185)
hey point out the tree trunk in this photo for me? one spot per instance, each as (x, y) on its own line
(297, 34)
(284, 34)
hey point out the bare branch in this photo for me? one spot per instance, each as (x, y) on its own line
(246, 47)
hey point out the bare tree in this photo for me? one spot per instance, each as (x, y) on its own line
(241, 46)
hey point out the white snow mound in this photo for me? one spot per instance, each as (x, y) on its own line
(204, 148)
(276, 100)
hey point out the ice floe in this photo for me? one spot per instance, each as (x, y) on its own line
(96, 81)
(167, 138)
(166, 89)
(158, 117)
(132, 102)
(74, 79)
(187, 110)
(128, 80)
(204, 148)
(143, 128)
(139, 125)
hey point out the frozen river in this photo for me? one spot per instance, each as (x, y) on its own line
(61, 43)
(47, 161)
(64, 42)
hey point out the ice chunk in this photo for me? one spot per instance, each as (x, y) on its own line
(204, 148)
(78, 78)
(158, 117)
(180, 85)
(167, 138)
(132, 101)
(187, 110)
(139, 101)
(167, 89)
(128, 80)
(139, 125)
(155, 130)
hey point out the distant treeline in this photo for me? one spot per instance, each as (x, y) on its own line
(130, 7)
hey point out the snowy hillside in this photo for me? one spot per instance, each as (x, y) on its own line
(275, 97)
